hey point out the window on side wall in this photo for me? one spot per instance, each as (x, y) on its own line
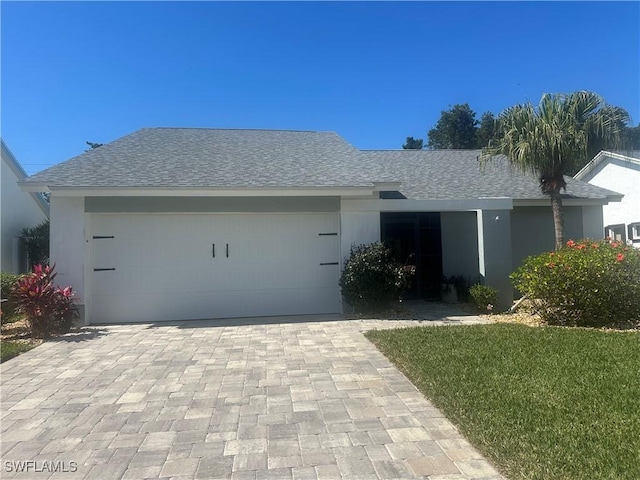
(616, 232)
(633, 231)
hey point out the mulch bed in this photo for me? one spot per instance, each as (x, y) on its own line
(18, 331)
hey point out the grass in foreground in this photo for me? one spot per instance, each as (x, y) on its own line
(15, 338)
(10, 349)
(538, 402)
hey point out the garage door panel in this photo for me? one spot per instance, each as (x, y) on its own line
(165, 269)
(158, 252)
(130, 280)
(149, 308)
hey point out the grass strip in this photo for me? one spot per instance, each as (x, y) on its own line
(539, 403)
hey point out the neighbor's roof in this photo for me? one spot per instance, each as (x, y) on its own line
(212, 158)
(209, 158)
(629, 158)
(458, 174)
(19, 172)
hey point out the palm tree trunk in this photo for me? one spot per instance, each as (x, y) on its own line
(558, 218)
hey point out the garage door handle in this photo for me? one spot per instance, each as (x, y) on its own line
(227, 250)
(213, 250)
(329, 263)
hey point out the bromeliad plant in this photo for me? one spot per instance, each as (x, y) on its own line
(585, 283)
(47, 307)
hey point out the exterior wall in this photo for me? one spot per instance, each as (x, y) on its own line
(357, 228)
(18, 210)
(532, 230)
(494, 247)
(210, 204)
(460, 244)
(67, 243)
(622, 177)
(592, 222)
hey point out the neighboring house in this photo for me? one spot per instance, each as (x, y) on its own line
(180, 223)
(619, 171)
(19, 210)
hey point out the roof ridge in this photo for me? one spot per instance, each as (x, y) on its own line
(419, 150)
(239, 129)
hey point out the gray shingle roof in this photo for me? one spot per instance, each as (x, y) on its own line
(195, 157)
(457, 174)
(210, 158)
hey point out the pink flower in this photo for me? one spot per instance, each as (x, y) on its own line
(570, 243)
(620, 257)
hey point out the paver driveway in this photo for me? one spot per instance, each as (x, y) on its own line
(311, 399)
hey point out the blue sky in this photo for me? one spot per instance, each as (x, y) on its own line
(375, 72)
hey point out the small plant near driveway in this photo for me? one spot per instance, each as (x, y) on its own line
(484, 297)
(47, 308)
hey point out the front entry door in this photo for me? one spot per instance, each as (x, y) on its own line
(415, 238)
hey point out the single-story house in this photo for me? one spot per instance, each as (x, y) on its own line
(188, 223)
(619, 171)
(19, 210)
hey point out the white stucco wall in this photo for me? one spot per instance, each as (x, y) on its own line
(67, 242)
(622, 177)
(18, 210)
(357, 228)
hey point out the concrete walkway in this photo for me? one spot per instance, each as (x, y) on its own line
(290, 398)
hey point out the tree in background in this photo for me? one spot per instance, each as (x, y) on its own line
(413, 144)
(486, 131)
(459, 129)
(553, 138)
(36, 241)
(631, 138)
(456, 129)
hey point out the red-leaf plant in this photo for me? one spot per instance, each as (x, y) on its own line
(47, 307)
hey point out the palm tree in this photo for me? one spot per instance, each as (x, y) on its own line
(554, 139)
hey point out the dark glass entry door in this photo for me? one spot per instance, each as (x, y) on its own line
(415, 238)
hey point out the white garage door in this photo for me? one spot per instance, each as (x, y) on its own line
(152, 267)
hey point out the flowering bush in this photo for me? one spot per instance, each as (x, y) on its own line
(372, 279)
(48, 308)
(586, 283)
(484, 297)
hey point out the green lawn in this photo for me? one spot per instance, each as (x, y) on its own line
(544, 403)
(9, 349)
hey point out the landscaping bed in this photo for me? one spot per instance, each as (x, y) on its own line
(541, 403)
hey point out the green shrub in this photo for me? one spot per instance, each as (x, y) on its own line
(7, 282)
(484, 297)
(372, 279)
(37, 244)
(586, 283)
(47, 308)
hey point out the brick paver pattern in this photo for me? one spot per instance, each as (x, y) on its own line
(311, 399)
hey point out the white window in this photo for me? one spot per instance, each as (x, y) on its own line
(634, 232)
(616, 232)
